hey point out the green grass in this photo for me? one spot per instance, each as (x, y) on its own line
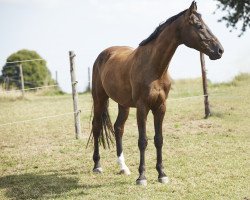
(204, 158)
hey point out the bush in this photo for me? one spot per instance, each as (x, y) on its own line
(35, 73)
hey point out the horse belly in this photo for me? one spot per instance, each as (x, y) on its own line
(117, 88)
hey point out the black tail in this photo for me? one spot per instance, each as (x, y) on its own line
(107, 131)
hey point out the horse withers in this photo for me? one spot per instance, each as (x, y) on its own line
(139, 78)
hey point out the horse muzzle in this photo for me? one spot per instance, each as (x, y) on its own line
(217, 52)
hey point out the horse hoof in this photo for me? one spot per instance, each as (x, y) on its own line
(142, 182)
(163, 180)
(125, 172)
(98, 170)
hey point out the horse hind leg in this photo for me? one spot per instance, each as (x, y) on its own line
(119, 129)
(100, 104)
(97, 128)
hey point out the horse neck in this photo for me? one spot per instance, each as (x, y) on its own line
(160, 52)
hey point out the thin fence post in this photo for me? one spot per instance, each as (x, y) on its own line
(204, 82)
(7, 83)
(74, 94)
(21, 77)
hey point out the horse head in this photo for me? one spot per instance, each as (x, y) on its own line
(194, 33)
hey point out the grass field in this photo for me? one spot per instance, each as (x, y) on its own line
(204, 158)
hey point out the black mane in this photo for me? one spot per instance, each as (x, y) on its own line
(160, 28)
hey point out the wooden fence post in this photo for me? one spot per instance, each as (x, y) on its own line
(74, 94)
(204, 82)
(21, 77)
(7, 83)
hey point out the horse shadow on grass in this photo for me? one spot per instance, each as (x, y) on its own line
(37, 186)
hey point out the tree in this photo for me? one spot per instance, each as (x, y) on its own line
(35, 73)
(238, 11)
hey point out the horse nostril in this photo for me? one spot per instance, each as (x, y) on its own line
(220, 51)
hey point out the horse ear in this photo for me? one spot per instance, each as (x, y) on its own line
(192, 8)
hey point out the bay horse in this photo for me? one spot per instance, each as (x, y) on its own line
(139, 78)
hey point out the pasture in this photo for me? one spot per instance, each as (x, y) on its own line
(204, 158)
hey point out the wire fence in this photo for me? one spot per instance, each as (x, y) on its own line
(20, 81)
(27, 89)
(88, 110)
(36, 119)
(22, 90)
(76, 112)
(22, 61)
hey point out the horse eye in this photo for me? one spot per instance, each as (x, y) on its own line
(199, 26)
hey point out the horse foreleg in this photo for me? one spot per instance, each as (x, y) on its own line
(119, 129)
(158, 140)
(141, 115)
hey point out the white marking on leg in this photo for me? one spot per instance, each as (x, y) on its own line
(123, 167)
(98, 170)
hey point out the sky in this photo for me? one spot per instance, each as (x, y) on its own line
(54, 27)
